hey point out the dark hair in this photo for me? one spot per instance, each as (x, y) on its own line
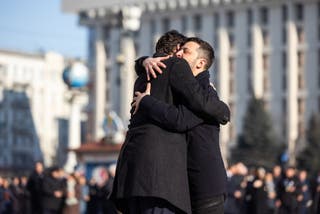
(169, 41)
(205, 50)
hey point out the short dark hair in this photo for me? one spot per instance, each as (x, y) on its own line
(205, 50)
(169, 41)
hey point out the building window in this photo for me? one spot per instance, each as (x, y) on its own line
(231, 66)
(284, 13)
(284, 71)
(300, 129)
(284, 35)
(184, 23)
(284, 60)
(216, 21)
(300, 81)
(197, 22)
(300, 59)
(231, 40)
(249, 17)
(299, 12)
(231, 80)
(284, 106)
(319, 31)
(265, 37)
(230, 19)
(300, 33)
(300, 107)
(249, 78)
(264, 15)
(265, 63)
(249, 38)
(152, 27)
(250, 21)
(165, 25)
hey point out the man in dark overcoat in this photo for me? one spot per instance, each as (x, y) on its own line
(206, 171)
(34, 186)
(151, 171)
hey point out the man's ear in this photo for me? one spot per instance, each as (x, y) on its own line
(201, 63)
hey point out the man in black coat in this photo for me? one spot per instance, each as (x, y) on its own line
(34, 186)
(54, 189)
(206, 171)
(152, 171)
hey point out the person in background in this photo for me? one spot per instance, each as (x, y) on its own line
(271, 191)
(235, 188)
(316, 195)
(24, 196)
(304, 185)
(34, 186)
(54, 189)
(289, 192)
(6, 206)
(15, 191)
(84, 193)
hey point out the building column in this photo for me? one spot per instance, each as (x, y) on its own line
(99, 84)
(292, 83)
(257, 48)
(223, 79)
(74, 131)
(130, 24)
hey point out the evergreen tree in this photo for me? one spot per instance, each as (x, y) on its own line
(309, 158)
(257, 145)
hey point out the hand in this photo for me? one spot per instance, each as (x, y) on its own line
(152, 64)
(58, 194)
(138, 97)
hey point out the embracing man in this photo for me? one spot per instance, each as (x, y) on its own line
(152, 175)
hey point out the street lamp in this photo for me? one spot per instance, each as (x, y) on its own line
(76, 76)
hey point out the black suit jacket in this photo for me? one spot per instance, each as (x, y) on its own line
(207, 175)
(152, 161)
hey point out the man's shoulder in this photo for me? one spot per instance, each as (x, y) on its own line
(176, 61)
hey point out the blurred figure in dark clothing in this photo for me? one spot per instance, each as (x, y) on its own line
(304, 185)
(6, 205)
(15, 191)
(24, 197)
(271, 190)
(277, 177)
(54, 188)
(235, 188)
(100, 191)
(316, 195)
(289, 192)
(34, 186)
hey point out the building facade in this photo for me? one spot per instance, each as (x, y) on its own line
(269, 48)
(34, 109)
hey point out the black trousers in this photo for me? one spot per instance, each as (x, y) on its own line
(149, 205)
(214, 205)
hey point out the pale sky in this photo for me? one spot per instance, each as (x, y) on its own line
(40, 25)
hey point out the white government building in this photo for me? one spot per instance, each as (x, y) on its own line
(34, 110)
(267, 47)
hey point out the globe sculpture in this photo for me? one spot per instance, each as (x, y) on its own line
(76, 75)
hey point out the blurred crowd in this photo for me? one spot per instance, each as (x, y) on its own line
(250, 191)
(283, 190)
(53, 191)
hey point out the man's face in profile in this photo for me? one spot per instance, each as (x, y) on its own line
(189, 52)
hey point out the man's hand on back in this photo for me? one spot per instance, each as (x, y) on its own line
(138, 97)
(154, 65)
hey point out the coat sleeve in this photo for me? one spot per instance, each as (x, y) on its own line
(204, 105)
(175, 118)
